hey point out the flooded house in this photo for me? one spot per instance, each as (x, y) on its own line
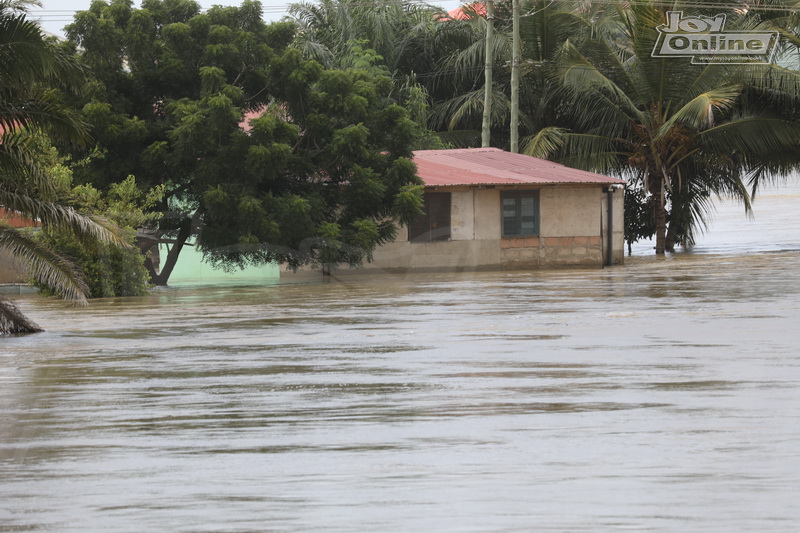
(487, 209)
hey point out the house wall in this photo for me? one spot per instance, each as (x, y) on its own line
(573, 231)
(11, 270)
(573, 227)
(462, 214)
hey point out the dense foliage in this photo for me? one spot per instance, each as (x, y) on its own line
(264, 155)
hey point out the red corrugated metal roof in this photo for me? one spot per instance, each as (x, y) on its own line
(492, 166)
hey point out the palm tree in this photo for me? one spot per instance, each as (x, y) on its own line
(328, 30)
(544, 27)
(30, 69)
(685, 132)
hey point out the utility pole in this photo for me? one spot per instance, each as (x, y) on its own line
(515, 77)
(487, 93)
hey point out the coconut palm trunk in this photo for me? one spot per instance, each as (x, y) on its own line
(659, 213)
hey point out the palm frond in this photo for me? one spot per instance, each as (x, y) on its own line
(316, 51)
(468, 107)
(59, 217)
(36, 108)
(772, 78)
(545, 143)
(20, 169)
(593, 152)
(583, 79)
(48, 268)
(699, 112)
(26, 57)
(752, 136)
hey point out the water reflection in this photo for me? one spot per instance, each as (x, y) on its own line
(658, 396)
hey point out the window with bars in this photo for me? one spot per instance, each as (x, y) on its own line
(434, 223)
(520, 213)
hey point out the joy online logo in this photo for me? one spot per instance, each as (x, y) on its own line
(703, 39)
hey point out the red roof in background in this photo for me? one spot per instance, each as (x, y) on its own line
(459, 13)
(15, 220)
(248, 116)
(17, 124)
(492, 166)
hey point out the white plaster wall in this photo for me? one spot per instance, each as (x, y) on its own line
(402, 234)
(462, 216)
(488, 220)
(570, 211)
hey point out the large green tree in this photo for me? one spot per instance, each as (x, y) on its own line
(32, 72)
(265, 155)
(684, 131)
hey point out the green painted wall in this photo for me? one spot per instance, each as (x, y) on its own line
(191, 270)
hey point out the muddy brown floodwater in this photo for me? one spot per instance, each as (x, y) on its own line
(659, 396)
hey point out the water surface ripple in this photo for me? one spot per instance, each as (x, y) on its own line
(662, 396)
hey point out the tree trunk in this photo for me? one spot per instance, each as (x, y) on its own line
(672, 234)
(660, 213)
(151, 268)
(161, 276)
(13, 321)
(486, 127)
(515, 59)
(675, 221)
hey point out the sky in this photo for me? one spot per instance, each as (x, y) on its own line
(55, 14)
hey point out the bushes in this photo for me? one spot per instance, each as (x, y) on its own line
(109, 270)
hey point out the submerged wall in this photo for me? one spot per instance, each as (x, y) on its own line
(573, 233)
(190, 270)
(11, 270)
